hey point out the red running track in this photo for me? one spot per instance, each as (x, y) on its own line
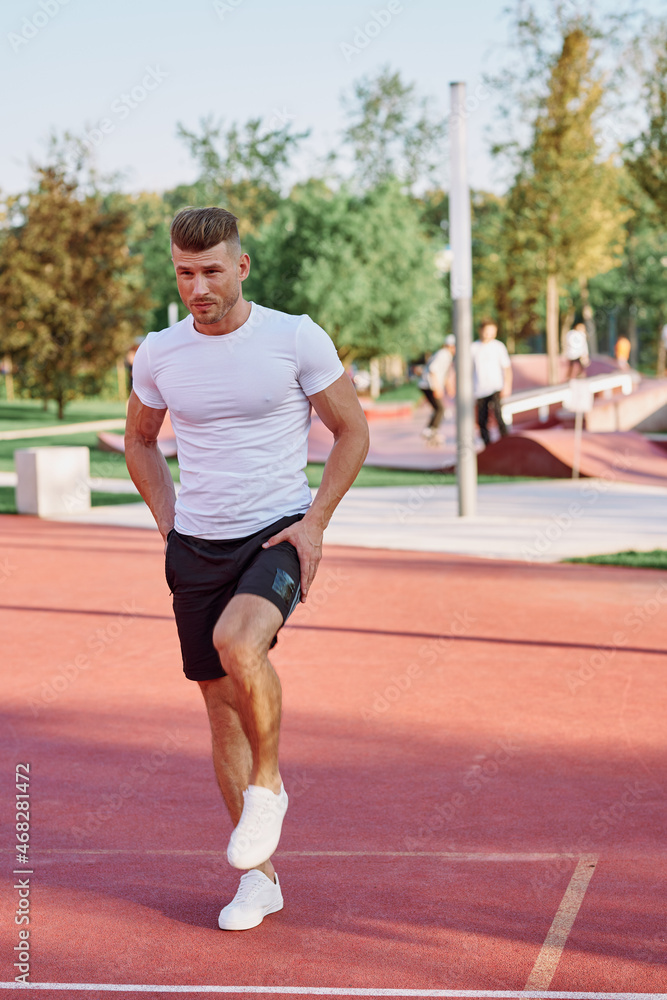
(475, 753)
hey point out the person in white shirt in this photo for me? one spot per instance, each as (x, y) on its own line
(492, 374)
(244, 539)
(576, 350)
(436, 379)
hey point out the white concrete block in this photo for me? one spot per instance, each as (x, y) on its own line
(52, 481)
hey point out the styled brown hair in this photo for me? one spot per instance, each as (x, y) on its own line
(487, 321)
(198, 229)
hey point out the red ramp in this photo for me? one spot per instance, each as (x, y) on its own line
(623, 455)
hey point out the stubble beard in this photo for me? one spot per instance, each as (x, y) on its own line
(225, 306)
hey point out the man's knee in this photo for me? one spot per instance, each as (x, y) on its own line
(240, 652)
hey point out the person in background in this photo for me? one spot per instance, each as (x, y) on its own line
(492, 373)
(622, 350)
(576, 350)
(436, 379)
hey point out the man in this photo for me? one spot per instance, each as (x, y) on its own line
(492, 373)
(437, 379)
(576, 350)
(243, 540)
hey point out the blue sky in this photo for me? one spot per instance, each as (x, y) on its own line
(73, 65)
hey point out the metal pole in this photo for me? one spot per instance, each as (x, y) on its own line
(576, 458)
(461, 286)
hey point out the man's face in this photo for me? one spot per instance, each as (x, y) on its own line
(488, 332)
(209, 282)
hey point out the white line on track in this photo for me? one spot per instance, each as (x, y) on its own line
(337, 991)
(450, 855)
(554, 943)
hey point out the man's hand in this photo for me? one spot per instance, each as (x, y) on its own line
(165, 536)
(507, 384)
(306, 538)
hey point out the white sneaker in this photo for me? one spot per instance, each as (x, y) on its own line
(255, 897)
(427, 433)
(257, 833)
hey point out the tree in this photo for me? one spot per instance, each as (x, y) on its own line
(149, 237)
(362, 265)
(391, 132)
(507, 284)
(646, 156)
(240, 168)
(565, 218)
(631, 297)
(72, 292)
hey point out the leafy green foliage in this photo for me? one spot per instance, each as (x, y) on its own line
(563, 216)
(362, 265)
(241, 168)
(646, 156)
(633, 294)
(72, 291)
(392, 133)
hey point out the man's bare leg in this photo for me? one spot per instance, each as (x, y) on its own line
(242, 637)
(232, 757)
(244, 707)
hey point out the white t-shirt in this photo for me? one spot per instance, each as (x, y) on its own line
(239, 408)
(435, 373)
(489, 361)
(576, 345)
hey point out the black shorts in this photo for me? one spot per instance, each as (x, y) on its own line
(203, 576)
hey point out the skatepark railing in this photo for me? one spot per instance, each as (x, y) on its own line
(541, 399)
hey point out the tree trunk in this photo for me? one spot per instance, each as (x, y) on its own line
(61, 408)
(121, 376)
(376, 382)
(660, 365)
(553, 356)
(632, 336)
(9, 379)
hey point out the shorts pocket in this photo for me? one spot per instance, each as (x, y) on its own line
(167, 561)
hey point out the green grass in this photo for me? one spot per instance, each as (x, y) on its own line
(100, 499)
(373, 476)
(97, 499)
(7, 500)
(408, 392)
(656, 559)
(111, 465)
(27, 413)
(107, 464)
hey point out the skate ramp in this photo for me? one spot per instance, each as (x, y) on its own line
(624, 456)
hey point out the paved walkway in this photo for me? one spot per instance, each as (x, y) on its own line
(543, 521)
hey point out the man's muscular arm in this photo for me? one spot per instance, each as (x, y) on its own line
(338, 408)
(147, 465)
